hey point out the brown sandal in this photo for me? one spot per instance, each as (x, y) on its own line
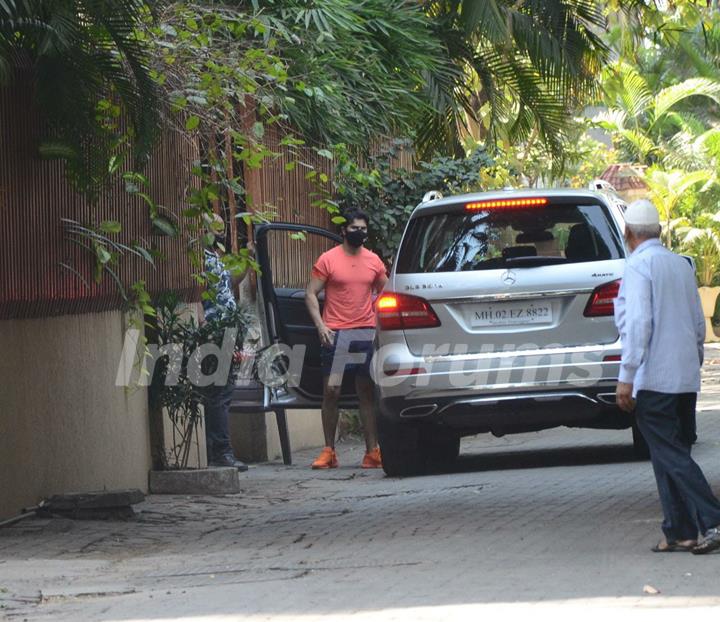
(673, 547)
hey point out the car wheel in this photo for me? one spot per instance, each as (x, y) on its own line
(400, 447)
(439, 448)
(640, 446)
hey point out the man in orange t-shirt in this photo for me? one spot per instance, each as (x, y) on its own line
(349, 274)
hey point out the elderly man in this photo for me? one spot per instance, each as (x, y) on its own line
(660, 320)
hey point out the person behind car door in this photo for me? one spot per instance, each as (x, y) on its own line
(217, 399)
(349, 274)
(662, 328)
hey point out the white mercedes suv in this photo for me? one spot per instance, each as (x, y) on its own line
(498, 317)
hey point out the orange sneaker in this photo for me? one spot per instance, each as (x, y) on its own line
(372, 460)
(326, 460)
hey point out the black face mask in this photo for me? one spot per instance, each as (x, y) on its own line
(356, 238)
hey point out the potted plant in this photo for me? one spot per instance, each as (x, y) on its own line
(176, 391)
(715, 319)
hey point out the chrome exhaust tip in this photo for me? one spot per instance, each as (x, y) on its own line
(418, 411)
(607, 398)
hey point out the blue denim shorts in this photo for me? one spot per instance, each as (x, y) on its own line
(351, 352)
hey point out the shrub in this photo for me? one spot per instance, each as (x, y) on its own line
(183, 397)
(389, 194)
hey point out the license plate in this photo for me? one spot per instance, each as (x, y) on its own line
(510, 313)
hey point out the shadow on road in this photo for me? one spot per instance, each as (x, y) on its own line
(542, 458)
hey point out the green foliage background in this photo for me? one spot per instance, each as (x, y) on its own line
(389, 194)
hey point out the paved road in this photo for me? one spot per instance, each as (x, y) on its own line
(556, 523)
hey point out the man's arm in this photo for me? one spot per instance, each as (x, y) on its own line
(380, 282)
(699, 324)
(314, 287)
(636, 328)
(380, 275)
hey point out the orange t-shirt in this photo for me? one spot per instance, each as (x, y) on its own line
(349, 283)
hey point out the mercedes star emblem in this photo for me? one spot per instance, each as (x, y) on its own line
(508, 277)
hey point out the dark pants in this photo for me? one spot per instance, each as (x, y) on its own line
(667, 422)
(217, 406)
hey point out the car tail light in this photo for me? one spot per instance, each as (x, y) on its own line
(612, 358)
(602, 300)
(403, 312)
(507, 203)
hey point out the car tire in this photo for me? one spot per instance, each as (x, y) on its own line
(401, 449)
(640, 446)
(440, 449)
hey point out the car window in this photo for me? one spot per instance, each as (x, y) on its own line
(460, 240)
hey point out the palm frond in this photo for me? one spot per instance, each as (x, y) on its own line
(531, 62)
(639, 142)
(632, 93)
(672, 95)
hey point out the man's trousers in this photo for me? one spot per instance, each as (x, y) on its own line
(667, 421)
(217, 407)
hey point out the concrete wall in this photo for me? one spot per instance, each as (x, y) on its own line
(304, 428)
(64, 425)
(255, 437)
(708, 296)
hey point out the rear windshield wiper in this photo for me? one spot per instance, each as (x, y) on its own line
(534, 260)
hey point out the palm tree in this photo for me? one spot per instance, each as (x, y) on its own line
(439, 69)
(80, 53)
(666, 190)
(703, 243)
(359, 67)
(644, 122)
(511, 67)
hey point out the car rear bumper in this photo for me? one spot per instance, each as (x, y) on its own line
(505, 413)
(504, 392)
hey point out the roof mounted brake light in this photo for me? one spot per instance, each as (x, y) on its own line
(507, 203)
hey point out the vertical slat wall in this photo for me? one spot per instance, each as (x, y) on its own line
(34, 197)
(290, 195)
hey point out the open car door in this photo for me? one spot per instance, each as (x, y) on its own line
(286, 253)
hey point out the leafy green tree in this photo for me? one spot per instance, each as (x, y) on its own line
(511, 67)
(389, 194)
(643, 121)
(437, 71)
(87, 66)
(357, 69)
(667, 189)
(702, 241)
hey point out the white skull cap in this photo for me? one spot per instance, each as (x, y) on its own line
(642, 212)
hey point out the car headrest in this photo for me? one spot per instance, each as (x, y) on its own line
(580, 244)
(519, 251)
(529, 237)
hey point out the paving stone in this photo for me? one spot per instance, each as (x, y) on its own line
(555, 523)
(95, 500)
(217, 481)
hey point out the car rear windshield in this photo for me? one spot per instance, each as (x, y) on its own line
(459, 240)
